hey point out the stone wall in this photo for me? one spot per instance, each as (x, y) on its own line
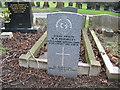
(105, 21)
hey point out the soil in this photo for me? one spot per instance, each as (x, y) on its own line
(15, 76)
(111, 45)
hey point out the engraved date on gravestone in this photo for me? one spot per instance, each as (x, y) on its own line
(63, 40)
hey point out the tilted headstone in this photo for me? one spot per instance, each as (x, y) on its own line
(64, 31)
(69, 9)
(21, 17)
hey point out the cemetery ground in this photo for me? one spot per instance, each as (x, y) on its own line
(15, 76)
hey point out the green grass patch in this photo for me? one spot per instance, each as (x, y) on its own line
(3, 49)
(81, 11)
(44, 9)
(84, 6)
(87, 23)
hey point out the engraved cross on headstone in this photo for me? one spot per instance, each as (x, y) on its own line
(63, 54)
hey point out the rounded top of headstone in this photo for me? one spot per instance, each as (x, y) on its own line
(72, 13)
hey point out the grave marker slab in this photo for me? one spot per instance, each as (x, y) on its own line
(21, 17)
(69, 9)
(64, 29)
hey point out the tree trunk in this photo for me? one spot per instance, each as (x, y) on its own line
(46, 5)
(0, 4)
(60, 4)
(70, 4)
(79, 5)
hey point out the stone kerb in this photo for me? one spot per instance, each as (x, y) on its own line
(105, 21)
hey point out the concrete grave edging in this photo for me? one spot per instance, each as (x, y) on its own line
(112, 72)
(26, 60)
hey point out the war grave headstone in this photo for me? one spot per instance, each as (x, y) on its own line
(97, 6)
(64, 30)
(69, 9)
(21, 18)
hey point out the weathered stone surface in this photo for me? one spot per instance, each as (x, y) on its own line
(64, 31)
(69, 9)
(105, 21)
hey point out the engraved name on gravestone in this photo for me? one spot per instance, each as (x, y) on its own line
(64, 30)
(21, 16)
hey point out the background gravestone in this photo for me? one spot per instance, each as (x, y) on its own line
(105, 21)
(69, 9)
(64, 31)
(21, 17)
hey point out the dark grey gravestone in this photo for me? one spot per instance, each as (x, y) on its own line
(21, 17)
(69, 9)
(64, 30)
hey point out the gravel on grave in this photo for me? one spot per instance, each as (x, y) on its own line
(14, 76)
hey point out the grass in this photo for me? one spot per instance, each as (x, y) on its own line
(82, 11)
(3, 49)
(87, 23)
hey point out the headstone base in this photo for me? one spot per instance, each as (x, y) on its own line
(23, 30)
(6, 35)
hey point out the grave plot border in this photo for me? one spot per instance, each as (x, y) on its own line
(89, 54)
(28, 60)
(113, 72)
